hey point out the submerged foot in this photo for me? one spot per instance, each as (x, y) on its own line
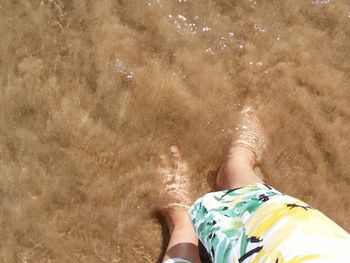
(246, 151)
(174, 199)
(250, 137)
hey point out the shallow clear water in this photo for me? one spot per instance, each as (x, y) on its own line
(93, 91)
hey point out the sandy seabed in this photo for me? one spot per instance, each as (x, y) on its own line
(93, 91)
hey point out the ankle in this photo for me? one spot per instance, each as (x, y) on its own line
(237, 167)
(240, 157)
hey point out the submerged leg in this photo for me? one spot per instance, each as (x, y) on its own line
(174, 203)
(245, 153)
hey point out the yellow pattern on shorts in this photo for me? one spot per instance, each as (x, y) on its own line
(258, 224)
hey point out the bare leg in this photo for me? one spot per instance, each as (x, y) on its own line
(183, 241)
(244, 154)
(174, 202)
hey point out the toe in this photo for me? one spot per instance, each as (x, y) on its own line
(175, 152)
(179, 162)
(164, 168)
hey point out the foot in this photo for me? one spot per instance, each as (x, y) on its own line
(250, 139)
(246, 151)
(174, 199)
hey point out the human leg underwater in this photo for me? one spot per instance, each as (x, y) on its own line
(174, 203)
(249, 221)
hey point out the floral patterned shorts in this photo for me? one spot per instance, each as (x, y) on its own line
(257, 223)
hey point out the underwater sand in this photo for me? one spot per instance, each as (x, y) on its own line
(93, 91)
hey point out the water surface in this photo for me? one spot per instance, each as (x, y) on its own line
(92, 91)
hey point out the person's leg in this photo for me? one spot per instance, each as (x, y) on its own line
(217, 216)
(183, 241)
(174, 202)
(245, 152)
(237, 171)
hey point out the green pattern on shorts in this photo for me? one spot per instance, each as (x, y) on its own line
(219, 219)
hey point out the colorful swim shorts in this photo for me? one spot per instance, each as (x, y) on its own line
(257, 223)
